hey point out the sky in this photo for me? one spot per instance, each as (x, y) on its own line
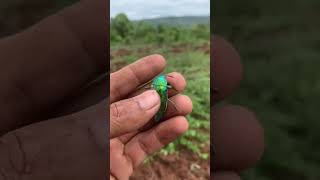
(144, 9)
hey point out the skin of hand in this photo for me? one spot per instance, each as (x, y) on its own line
(53, 103)
(130, 113)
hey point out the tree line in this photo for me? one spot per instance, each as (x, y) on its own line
(125, 31)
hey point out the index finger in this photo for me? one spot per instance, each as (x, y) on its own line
(127, 79)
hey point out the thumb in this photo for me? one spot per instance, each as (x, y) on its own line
(131, 114)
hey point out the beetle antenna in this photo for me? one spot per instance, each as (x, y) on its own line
(146, 85)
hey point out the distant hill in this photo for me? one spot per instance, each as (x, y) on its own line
(183, 21)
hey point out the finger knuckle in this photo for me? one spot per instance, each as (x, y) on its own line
(116, 113)
(145, 147)
(114, 110)
(15, 165)
(120, 110)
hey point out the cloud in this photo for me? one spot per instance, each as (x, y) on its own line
(141, 9)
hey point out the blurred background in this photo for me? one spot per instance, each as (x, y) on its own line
(279, 43)
(16, 15)
(180, 31)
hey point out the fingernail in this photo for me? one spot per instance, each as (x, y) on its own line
(149, 99)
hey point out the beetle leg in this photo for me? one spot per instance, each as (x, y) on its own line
(174, 105)
(169, 86)
(148, 87)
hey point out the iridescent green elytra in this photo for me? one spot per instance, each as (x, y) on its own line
(160, 84)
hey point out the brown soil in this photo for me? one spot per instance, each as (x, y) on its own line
(184, 45)
(122, 52)
(117, 64)
(179, 48)
(205, 47)
(144, 50)
(183, 166)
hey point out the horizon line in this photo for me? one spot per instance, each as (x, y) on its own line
(169, 16)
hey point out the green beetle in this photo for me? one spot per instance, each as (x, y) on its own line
(161, 85)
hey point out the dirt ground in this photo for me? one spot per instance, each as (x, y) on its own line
(183, 166)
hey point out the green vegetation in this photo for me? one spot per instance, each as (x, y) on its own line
(279, 45)
(182, 21)
(141, 32)
(186, 49)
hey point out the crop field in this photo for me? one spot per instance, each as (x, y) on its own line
(187, 50)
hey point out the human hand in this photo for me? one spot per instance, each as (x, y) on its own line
(53, 117)
(237, 135)
(130, 112)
